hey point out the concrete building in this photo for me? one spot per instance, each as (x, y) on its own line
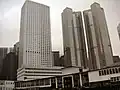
(76, 78)
(30, 73)
(10, 66)
(73, 39)
(55, 58)
(7, 85)
(118, 29)
(98, 40)
(69, 78)
(35, 35)
(3, 52)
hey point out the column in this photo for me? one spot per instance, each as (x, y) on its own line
(72, 81)
(56, 82)
(80, 80)
(63, 82)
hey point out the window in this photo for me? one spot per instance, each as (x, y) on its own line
(119, 70)
(47, 81)
(104, 72)
(107, 71)
(41, 82)
(110, 71)
(116, 70)
(100, 73)
(113, 70)
(117, 78)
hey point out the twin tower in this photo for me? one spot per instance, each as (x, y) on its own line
(98, 53)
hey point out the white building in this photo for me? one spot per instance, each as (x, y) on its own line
(73, 39)
(6, 85)
(30, 73)
(35, 40)
(35, 35)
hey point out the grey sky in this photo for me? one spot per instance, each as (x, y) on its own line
(10, 19)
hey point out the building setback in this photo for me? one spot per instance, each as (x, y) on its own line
(99, 45)
(73, 39)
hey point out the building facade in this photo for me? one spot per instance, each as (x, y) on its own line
(10, 66)
(76, 78)
(98, 40)
(73, 39)
(35, 54)
(35, 36)
(3, 52)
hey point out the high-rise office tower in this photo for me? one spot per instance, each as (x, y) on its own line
(99, 45)
(35, 36)
(35, 54)
(118, 29)
(73, 39)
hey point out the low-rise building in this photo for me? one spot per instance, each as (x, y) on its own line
(75, 77)
(6, 85)
(37, 73)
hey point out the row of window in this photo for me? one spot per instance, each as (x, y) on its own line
(36, 52)
(9, 82)
(109, 71)
(41, 82)
(115, 79)
(5, 88)
(43, 72)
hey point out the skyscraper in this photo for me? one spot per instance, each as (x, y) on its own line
(35, 54)
(118, 29)
(99, 45)
(35, 36)
(73, 39)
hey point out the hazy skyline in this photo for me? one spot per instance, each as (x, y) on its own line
(10, 19)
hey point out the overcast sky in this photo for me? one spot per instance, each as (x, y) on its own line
(10, 19)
